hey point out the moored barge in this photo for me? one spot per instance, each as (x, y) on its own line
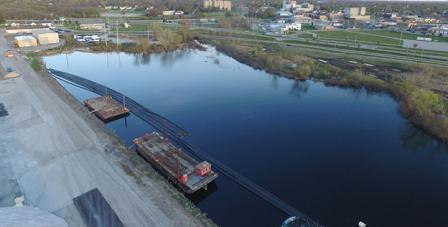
(186, 172)
(106, 109)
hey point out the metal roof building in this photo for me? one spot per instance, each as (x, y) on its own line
(25, 41)
(46, 37)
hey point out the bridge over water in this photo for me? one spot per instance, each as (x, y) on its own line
(176, 134)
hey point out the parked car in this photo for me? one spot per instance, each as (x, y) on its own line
(9, 69)
(9, 54)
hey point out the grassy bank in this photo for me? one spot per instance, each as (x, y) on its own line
(413, 87)
(35, 61)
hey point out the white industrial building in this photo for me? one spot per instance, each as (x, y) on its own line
(46, 37)
(16, 30)
(25, 41)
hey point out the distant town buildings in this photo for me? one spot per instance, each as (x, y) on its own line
(218, 4)
(292, 27)
(303, 8)
(356, 13)
(290, 5)
(303, 19)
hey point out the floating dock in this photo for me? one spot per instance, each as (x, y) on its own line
(187, 173)
(106, 108)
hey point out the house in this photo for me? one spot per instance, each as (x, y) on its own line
(218, 4)
(25, 41)
(126, 7)
(46, 37)
(46, 24)
(168, 12)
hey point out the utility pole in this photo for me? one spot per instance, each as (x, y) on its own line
(421, 55)
(124, 102)
(105, 31)
(147, 29)
(117, 32)
(401, 36)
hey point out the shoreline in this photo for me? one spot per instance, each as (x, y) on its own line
(134, 166)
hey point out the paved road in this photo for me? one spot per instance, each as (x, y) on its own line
(51, 152)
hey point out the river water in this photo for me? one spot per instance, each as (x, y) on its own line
(339, 155)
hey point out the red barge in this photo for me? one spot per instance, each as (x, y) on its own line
(186, 172)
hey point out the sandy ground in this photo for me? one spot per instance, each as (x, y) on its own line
(51, 151)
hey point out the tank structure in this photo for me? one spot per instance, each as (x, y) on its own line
(186, 172)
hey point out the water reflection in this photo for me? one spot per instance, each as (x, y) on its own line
(169, 58)
(298, 88)
(142, 59)
(274, 81)
(202, 194)
(414, 139)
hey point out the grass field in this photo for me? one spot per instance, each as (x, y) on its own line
(135, 28)
(374, 36)
(360, 37)
(214, 14)
(405, 35)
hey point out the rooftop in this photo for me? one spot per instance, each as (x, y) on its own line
(24, 37)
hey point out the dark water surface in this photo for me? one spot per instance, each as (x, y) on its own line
(339, 155)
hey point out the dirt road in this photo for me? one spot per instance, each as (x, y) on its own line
(51, 152)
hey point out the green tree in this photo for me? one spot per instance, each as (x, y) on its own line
(167, 38)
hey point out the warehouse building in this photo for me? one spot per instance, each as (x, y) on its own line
(25, 41)
(15, 30)
(46, 37)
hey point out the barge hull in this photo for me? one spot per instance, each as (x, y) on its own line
(173, 163)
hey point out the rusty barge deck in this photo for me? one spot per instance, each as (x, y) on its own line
(186, 172)
(106, 109)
